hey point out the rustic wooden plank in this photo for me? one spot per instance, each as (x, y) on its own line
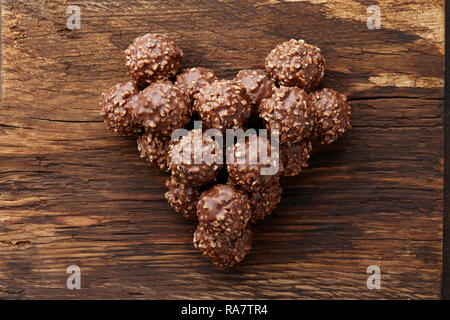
(446, 221)
(73, 193)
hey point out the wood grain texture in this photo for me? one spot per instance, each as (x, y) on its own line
(73, 193)
(446, 221)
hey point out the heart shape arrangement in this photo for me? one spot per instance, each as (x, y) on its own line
(225, 199)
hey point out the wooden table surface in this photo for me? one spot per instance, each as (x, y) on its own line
(73, 193)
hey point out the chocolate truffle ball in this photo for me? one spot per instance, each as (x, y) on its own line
(154, 148)
(258, 85)
(294, 157)
(223, 211)
(152, 57)
(192, 80)
(246, 170)
(195, 158)
(263, 202)
(222, 251)
(333, 114)
(290, 112)
(161, 108)
(183, 198)
(223, 105)
(296, 63)
(117, 106)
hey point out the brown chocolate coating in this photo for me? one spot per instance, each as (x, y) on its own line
(117, 106)
(289, 111)
(183, 198)
(221, 251)
(258, 85)
(223, 105)
(192, 80)
(152, 57)
(263, 202)
(242, 192)
(223, 211)
(161, 108)
(333, 114)
(246, 169)
(296, 63)
(295, 157)
(154, 148)
(192, 164)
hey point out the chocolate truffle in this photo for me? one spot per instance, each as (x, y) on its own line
(294, 157)
(192, 80)
(183, 197)
(258, 85)
(333, 114)
(195, 158)
(117, 106)
(296, 63)
(246, 170)
(264, 201)
(290, 112)
(223, 211)
(223, 105)
(154, 148)
(152, 57)
(161, 108)
(222, 251)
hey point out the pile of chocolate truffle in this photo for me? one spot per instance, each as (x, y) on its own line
(225, 198)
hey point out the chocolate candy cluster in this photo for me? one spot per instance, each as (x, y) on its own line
(226, 188)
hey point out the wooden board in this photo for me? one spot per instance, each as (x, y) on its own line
(72, 193)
